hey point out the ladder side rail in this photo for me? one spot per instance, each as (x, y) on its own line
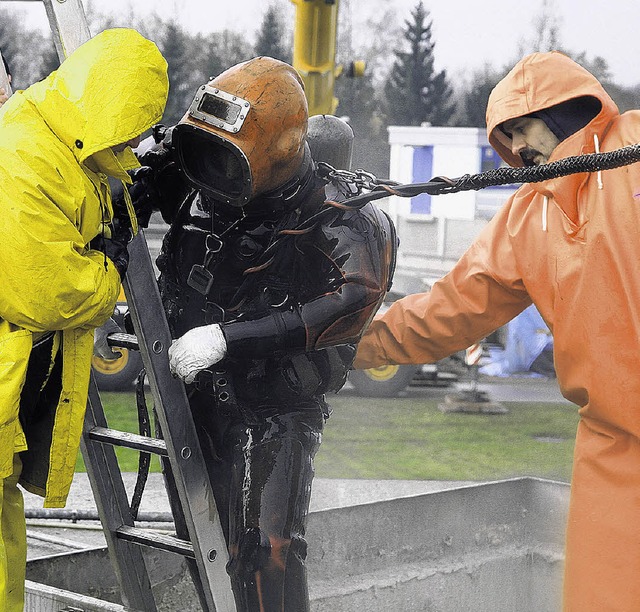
(68, 25)
(114, 510)
(174, 414)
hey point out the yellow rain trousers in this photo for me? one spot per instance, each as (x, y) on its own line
(13, 543)
(571, 246)
(55, 147)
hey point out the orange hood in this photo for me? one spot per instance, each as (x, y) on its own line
(539, 81)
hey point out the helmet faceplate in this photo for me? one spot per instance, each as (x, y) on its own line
(244, 134)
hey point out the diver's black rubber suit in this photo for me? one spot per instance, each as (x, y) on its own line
(293, 282)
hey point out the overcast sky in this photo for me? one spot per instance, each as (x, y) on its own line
(468, 33)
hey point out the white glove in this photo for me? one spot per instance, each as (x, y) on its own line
(198, 349)
(100, 346)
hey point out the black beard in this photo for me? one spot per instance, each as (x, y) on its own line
(528, 155)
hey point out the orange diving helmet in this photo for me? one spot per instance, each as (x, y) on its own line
(244, 134)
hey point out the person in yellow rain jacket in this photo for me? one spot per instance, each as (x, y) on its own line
(60, 265)
(569, 245)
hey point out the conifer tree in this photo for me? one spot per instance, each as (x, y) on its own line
(221, 51)
(415, 93)
(475, 95)
(175, 45)
(271, 39)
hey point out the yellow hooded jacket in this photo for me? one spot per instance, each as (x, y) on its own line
(55, 147)
(569, 245)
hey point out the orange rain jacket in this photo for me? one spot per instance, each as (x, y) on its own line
(571, 246)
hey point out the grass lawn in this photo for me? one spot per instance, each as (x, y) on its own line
(409, 438)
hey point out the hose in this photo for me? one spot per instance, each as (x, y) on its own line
(91, 515)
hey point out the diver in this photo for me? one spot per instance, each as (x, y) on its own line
(268, 279)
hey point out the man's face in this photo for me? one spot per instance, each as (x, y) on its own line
(531, 139)
(133, 143)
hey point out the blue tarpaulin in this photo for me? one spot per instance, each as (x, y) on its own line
(527, 337)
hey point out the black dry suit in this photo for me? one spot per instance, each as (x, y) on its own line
(294, 282)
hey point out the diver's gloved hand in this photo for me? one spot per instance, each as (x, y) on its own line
(101, 347)
(144, 194)
(198, 349)
(115, 249)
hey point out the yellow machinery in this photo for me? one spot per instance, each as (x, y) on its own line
(314, 53)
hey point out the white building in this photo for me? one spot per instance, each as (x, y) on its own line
(435, 231)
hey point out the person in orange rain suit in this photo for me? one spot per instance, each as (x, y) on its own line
(570, 246)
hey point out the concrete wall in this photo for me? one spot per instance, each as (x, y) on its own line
(487, 548)
(495, 547)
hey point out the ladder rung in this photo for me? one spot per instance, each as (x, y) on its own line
(128, 440)
(156, 540)
(122, 340)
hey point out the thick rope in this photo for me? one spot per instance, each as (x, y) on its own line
(592, 162)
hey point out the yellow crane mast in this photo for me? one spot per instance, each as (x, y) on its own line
(314, 53)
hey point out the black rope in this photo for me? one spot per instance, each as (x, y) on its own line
(144, 458)
(592, 162)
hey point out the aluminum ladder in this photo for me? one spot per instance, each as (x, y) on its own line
(206, 545)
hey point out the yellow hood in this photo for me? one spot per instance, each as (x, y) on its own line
(99, 97)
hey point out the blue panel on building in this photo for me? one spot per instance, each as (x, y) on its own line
(422, 173)
(491, 161)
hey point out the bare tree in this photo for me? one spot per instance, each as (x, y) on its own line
(547, 28)
(30, 54)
